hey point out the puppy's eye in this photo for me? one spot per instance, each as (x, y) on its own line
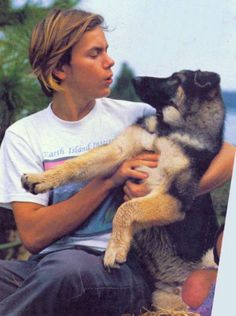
(175, 78)
(173, 84)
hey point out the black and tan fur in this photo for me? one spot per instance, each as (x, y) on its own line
(187, 132)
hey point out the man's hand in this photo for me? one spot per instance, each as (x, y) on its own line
(128, 169)
(127, 172)
(134, 190)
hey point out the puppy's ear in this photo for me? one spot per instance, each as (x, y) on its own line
(206, 79)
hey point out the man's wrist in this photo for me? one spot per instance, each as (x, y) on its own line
(106, 183)
(109, 183)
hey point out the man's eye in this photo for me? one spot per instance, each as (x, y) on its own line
(94, 53)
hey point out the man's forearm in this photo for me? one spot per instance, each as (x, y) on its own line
(39, 225)
(219, 171)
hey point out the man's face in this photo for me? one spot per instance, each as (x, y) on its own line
(89, 73)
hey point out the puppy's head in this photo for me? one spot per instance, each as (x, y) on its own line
(185, 91)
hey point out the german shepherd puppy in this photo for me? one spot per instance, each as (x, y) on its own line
(187, 131)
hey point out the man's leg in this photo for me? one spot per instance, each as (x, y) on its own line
(12, 275)
(74, 282)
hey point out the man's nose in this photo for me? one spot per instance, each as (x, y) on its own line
(109, 62)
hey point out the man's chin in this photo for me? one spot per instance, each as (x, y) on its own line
(105, 93)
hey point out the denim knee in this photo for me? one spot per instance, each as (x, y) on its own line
(12, 275)
(61, 271)
(78, 280)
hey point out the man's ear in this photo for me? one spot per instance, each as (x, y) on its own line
(59, 74)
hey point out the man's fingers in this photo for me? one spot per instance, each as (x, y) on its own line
(126, 198)
(136, 174)
(133, 190)
(127, 192)
(139, 163)
(147, 156)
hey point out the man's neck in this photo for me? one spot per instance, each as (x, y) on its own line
(66, 108)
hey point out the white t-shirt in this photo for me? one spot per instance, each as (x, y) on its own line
(42, 141)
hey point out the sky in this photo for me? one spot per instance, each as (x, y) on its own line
(159, 37)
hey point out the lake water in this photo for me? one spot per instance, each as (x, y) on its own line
(230, 127)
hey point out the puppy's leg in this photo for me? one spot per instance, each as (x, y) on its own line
(100, 161)
(157, 208)
(168, 299)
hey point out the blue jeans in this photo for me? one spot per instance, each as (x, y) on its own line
(72, 282)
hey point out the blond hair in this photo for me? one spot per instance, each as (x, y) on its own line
(52, 40)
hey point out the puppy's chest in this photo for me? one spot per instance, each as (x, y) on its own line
(155, 125)
(181, 136)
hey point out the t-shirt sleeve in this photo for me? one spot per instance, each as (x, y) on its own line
(148, 110)
(17, 157)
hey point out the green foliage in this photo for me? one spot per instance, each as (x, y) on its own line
(20, 92)
(220, 201)
(123, 88)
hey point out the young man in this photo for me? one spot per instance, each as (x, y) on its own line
(67, 230)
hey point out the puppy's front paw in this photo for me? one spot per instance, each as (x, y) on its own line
(109, 260)
(35, 183)
(114, 256)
